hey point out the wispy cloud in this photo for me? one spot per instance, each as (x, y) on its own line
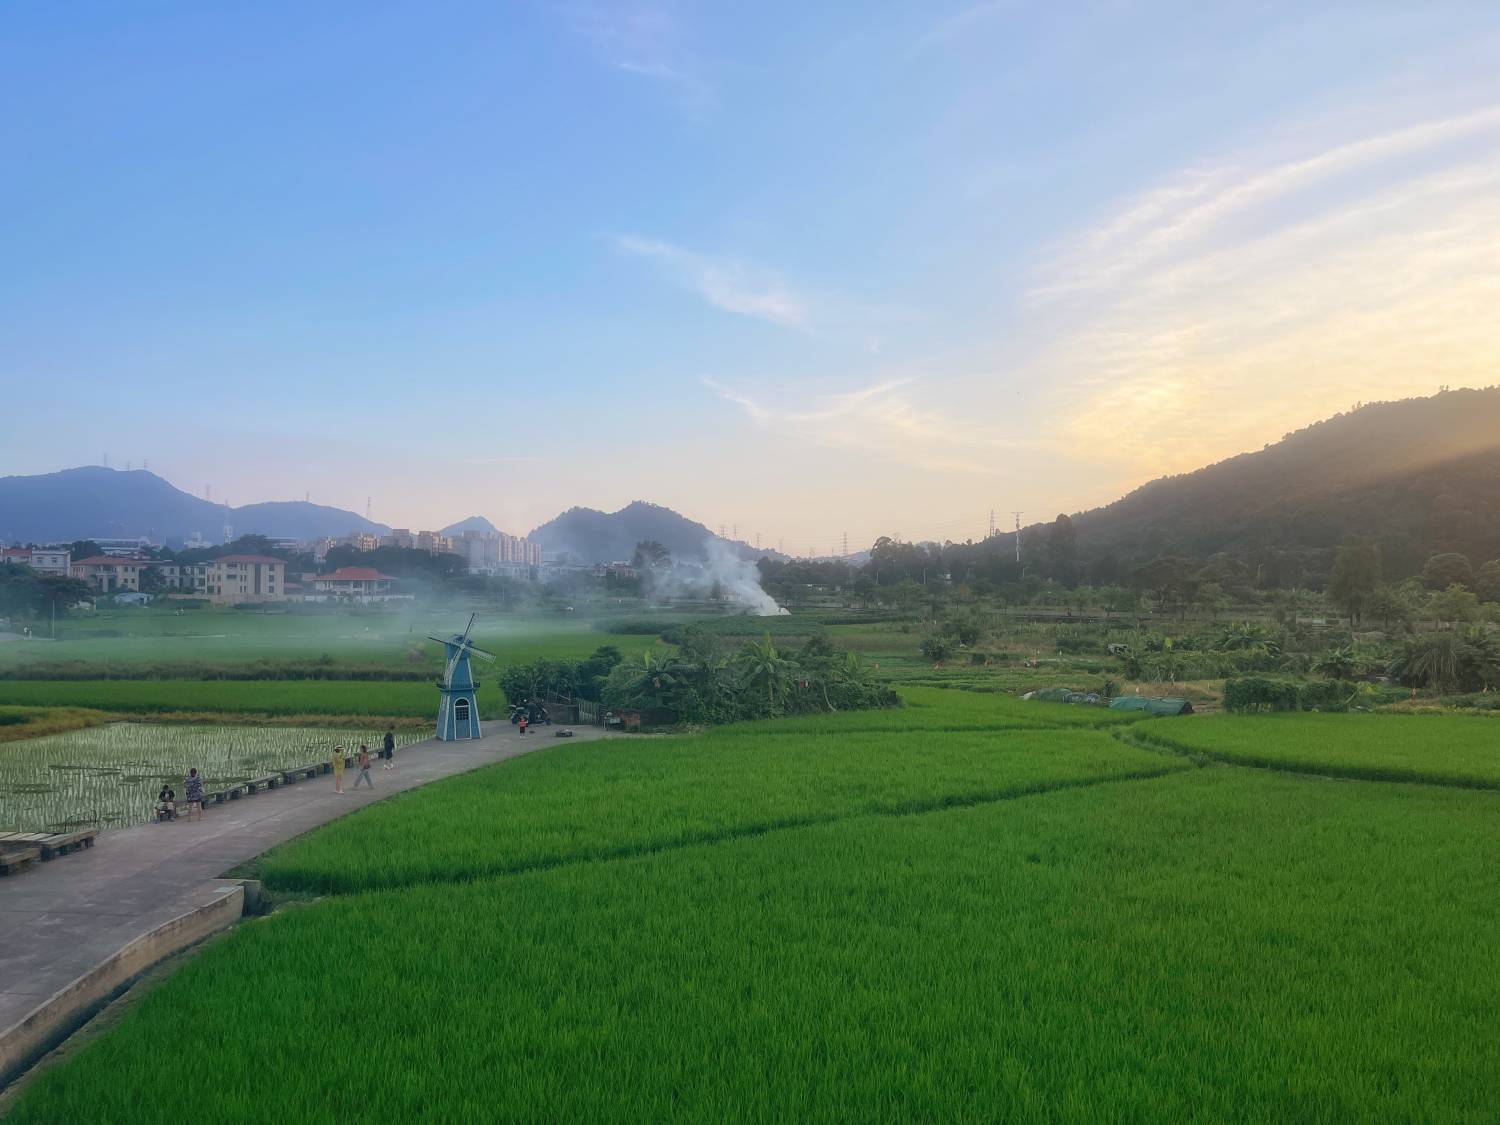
(725, 283)
(1246, 297)
(890, 417)
(952, 26)
(648, 41)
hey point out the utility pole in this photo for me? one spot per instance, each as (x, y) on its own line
(1018, 536)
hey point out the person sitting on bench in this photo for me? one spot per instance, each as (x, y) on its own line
(166, 804)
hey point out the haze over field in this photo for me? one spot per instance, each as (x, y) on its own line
(799, 271)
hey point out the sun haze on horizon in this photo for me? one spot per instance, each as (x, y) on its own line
(800, 271)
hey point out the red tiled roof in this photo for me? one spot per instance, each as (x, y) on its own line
(15, 552)
(247, 559)
(354, 574)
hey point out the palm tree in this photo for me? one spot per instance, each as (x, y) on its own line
(648, 679)
(763, 669)
(1338, 663)
(1434, 661)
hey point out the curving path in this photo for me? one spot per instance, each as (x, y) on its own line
(94, 914)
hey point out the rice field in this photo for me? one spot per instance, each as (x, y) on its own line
(970, 908)
(1207, 945)
(109, 776)
(256, 697)
(1459, 750)
(598, 800)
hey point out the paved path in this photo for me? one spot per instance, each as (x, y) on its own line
(62, 918)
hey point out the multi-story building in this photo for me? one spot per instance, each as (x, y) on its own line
(363, 541)
(243, 578)
(179, 576)
(51, 560)
(43, 560)
(110, 575)
(433, 542)
(495, 552)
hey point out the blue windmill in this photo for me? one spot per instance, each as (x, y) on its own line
(458, 713)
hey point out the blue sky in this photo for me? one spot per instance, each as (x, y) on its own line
(799, 269)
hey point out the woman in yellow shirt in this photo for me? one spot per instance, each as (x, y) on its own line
(338, 769)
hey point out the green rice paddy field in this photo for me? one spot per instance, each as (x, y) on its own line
(216, 637)
(907, 918)
(257, 697)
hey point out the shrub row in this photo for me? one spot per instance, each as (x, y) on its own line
(1262, 693)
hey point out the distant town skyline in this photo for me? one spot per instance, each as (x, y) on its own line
(854, 268)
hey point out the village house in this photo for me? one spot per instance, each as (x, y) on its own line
(357, 583)
(43, 560)
(110, 575)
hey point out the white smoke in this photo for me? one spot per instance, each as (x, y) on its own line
(738, 578)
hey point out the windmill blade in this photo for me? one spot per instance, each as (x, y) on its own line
(479, 652)
(452, 664)
(440, 640)
(469, 628)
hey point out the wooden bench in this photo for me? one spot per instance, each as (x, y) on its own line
(61, 843)
(18, 859)
(50, 844)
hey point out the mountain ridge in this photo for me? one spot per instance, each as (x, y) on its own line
(1418, 476)
(92, 501)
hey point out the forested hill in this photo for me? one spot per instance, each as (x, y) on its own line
(591, 536)
(1420, 476)
(97, 502)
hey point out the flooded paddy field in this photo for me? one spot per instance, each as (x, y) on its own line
(109, 776)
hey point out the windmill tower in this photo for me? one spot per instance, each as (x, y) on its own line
(458, 713)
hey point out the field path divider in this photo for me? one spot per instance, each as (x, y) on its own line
(1325, 771)
(919, 807)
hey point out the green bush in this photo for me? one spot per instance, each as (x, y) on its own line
(1257, 693)
(1261, 693)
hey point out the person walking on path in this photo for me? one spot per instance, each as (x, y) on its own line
(521, 723)
(364, 767)
(338, 769)
(192, 793)
(388, 748)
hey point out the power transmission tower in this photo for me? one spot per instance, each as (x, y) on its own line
(781, 546)
(735, 533)
(1018, 516)
(757, 540)
(990, 534)
(722, 530)
(368, 501)
(846, 545)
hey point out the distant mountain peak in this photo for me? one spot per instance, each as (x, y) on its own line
(472, 523)
(591, 536)
(94, 501)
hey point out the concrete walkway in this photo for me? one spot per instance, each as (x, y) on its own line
(64, 919)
